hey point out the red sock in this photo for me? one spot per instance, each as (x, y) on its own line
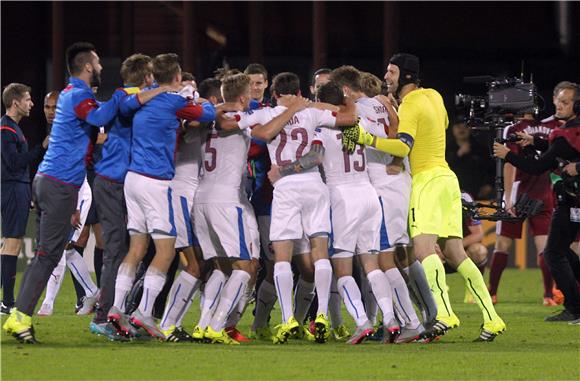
(546, 276)
(499, 261)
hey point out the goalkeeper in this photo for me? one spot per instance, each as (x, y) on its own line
(435, 206)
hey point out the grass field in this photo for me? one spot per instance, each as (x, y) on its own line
(530, 350)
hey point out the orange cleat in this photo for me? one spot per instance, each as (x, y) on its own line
(236, 335)
(558, 297)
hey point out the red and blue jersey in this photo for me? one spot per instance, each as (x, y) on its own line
(155, 131)
(115, 154)
(16, 157)
(77, 112)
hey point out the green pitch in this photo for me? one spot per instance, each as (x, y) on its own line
(530, 349)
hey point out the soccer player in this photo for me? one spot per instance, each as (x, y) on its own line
(59, 177)
(435, 205)
(16, 160)
(111, 170)
(320, 77)
(391, 179)
(148, 193)
(221, 218)
(301, 204)
(536, 187)
(356, 225)
(258, 81)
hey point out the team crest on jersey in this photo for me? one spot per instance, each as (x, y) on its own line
(318, 129)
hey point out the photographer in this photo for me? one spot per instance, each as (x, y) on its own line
(564, 145)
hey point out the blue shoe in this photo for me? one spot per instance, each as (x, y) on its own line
(107, 330)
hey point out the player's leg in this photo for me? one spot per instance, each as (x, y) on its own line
(99, 250)
(52, 288)
(304, 290)
(477, 252)
(499, 259)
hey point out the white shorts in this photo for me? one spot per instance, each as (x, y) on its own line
(183, 195)
(252, 225)
(84, 202)
(222, 230)
(394, 199)
(301, 246)
(300, 208)
(356, 220)
(149, 206)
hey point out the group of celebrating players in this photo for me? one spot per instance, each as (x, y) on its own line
(315, 193)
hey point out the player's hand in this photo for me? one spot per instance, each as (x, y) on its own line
(299, 104)
(525, 139)
(285, 100)
(570, 169)
(101, 138)
(274, 173)
(500, 150)
(353, 135)
(75, 220)
(396, 166)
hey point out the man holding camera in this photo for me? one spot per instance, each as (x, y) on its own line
(563, 152)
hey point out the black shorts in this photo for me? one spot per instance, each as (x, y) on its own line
(92, 216)
(15, 208)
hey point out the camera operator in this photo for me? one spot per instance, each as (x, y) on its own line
(564, 145)
(537, 187)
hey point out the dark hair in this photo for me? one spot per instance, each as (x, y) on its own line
(234, 85)
(210, 87)
(320, 71)
(14, 92)
(77, 55)
(286, 84)
(256, 68)
(330, 93)
(186, 76)
(165, 67)
(135, 68)
(347, 76)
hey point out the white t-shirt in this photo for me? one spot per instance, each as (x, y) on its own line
(188, 158)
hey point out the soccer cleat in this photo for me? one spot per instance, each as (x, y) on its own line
(444, 324)
(19, 325)
(45, 310)
(491, 329)
(88, 305)
(261, 333)
(408, 335)
(378, 335)
(4, 309)
(237, 335)
(494, 299)
(147, 323)
(198, 334)
(549, 302)
(575, 322)
(361, 333)
(108, 331)
(121, 322)
(391, 331)
(564, 315)
(220, 337)
(285, 330)
(321, 329)
(177, 335)
(340, 332)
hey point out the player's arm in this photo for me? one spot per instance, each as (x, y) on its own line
(312, 159)
(135, 98)
(347, 115)
(13, 159)
(95, 113)
(204, 112)
(475, 235)
(547, 161)
(270, 130)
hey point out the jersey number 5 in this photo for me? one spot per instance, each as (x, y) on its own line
(211, 153)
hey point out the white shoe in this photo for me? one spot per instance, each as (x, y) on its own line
(45, 310)
(88, 304)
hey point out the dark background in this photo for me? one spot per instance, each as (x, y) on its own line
(452, 39)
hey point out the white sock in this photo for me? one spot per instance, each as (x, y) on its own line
(212, 291)
(352, 299)
(179, 299)
(233, 291)
(152, 286)
(334, 305)
(80, 271)
(371, 306)
(382, 291)
(322, 280)
(402, 301)
(283, 282)
(123, 284)
(264, 303)
(303, 296)
(238, 312)
(54, 282)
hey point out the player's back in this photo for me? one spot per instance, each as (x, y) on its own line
(188, 157)
(223, 162)
(423, 115)
(295, 140)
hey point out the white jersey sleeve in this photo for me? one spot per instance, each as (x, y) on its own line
(251, 118)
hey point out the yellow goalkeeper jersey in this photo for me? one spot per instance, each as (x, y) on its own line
(422, 116)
